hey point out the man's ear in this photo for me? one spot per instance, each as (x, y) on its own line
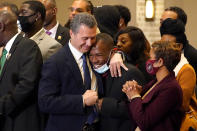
(121, 22)
(38, 16)
(71, 33)
(160, 62)
(54, 11)
(2, 26)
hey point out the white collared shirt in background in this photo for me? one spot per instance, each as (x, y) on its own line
(53, 30)
(9, 44)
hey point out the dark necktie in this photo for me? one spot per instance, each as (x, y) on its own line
(3, 59)
(87, 79)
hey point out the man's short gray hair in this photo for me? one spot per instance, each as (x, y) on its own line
(82, 19)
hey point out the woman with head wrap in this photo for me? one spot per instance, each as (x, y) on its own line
(174, 30)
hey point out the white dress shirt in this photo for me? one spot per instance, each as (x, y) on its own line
(9, 45)
(181, 63)
(78, 58)
(53, 30)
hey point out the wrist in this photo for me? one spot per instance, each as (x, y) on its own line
(133, 97)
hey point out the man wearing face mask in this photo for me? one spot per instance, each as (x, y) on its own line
(31, 17)
(114, 113)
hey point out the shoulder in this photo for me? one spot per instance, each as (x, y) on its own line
(62, 29)
(133, 73)
(50, 41)
(25, 42)
(187, 69)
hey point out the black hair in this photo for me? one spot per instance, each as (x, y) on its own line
(124, 13)
(181, 15)
(37, 6)
(106, 38)
(175, 28)
(140, 45)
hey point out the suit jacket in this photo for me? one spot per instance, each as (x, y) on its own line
(48, 46)
(18, 87)
(60, 92)
(160, 108)
(62, 35)
(191, 54)
(114, 111)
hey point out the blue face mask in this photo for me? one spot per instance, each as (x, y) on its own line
(102, 69)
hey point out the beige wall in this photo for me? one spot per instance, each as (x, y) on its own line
(188, 5)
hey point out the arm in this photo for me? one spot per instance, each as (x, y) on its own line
(53, 98)
(117, 107)
(187, 80)
(50, 98)
(24, 92)
(116, 62)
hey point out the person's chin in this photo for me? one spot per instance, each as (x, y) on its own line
(85, 50)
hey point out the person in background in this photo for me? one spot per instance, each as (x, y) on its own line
(133, 43)
(14, 9)
(173, 30)
(52, 26)
(108, 18)
(190, 52)
(69, 88)
(112, 105)
(31, 17)
(79, 6)
(157, 107)
(125, 16)
(20, 66)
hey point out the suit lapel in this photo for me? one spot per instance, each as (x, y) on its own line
(73, 65)
(59, 33)
(11, 53)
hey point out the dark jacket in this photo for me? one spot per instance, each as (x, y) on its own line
(62, 35)
(18, 87)
(160, 108)
(60, 92)
(114, 111)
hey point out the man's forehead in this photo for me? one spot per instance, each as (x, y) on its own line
(25, 7)
(170, 14)
(79, 4)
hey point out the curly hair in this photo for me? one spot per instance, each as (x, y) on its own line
(170, 52)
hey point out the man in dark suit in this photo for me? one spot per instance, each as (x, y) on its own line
(112, 106)
(68, 87)
(189, 51)
(20, 67)
(52, 26)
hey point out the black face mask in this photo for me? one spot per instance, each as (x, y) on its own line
(25, 24)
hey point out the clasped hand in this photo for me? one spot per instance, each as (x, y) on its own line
(131, 88)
